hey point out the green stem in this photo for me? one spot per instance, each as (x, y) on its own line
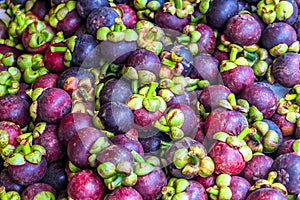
(118, 25)
(233, 54)
(178, 4)
(256, 137)
(169, 63)
(135, 86)
(58, 49)
(26, 148)
(272, 176)
(112, 185)
(165, 145)
(151, 90)
(251, 56)
(194, 160)
(183, 38)
(244, 133)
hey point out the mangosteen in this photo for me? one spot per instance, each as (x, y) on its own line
(287, 128)
(125, 193)
(8, 183)
(84, 7)
(46, 81)
(269, 193)
(39, 191)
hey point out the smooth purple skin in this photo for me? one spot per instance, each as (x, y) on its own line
(53, 105)
(54, 61)
(287, 128)
(196, 191)
(22, 92)
(15, 109)
(266, 194)
(150, 185)
(286, 147)
(142, 59)
(49, 140)
(296, 26)
(86, 185)
(129, 17)
(56, 176)
(206, 67)
(71, 124)
(207, 42)
(211, 95)
(124, 193)
(206, 182)
(243, 29)
(227, 160)
(69, 24)
(13, 131)
(3, 30)
(231, 122)
(31, 191)
(238, 79)
(41, 8)
(129, 142)
(8, 183)
(169, 21)
(240, 187)
(200, 135)
(288, 171)
(28, 173)
(85, 7)
(261, 96)
(144, 119)
(257, 168)
(286, 69)
(278, 33)
(46, 81)
(152, 142)
(79, 145)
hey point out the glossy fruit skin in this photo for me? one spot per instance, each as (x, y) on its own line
(28, 173)
(288, 171)
(257, 168)
(85, 7)
(69, 24)
(206, 182)
(8, 183)
(277, 33)
(287, 128)
(206, 67)
(231, 122)
(211, 95)
(86, 185)
(220, 12)
(31, 191)
(53, 105)
(80, 144)
(150, 185)
(196, 191)
(261, 96)
(124, 193)
(84, 45)
(54, 61)
(104, 16)
(15, 109)
(129, 17)
(46, 81)
(49, 140)
(207, 42)
(240, 187)
(41, 8)
(56, 176)
(266, 194)
(286, 69)
(227, 160)
(71, 124)
(128, 142)
(243, 29)
(22, 92)
(116, 117)
(285, 147)
(238, 79)
(168, 21)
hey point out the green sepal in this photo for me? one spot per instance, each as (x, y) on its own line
(16, 159)
(45, 195)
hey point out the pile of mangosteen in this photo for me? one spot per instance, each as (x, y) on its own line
(149, 99)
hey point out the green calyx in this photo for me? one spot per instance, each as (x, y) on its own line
(8, 195)
(59, 12)
(39, 34)
(221, 190)
(270, 11)
(181, 8)
(7, 60)
(175, 189)
(9, 81)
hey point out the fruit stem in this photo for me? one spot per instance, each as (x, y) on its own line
(233, 54)
(271, 177)
(115, 182)
(164, 144)
(135, 86)
(26, 148)
(152, 89)
(178, 4)
(3, 195)
(213, 191)
(118, 25)
(194, 160)
(244, 133)
(58, 49)
(169, 63)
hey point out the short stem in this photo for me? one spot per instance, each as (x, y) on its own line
(169, 63)
(256, 137)
(233, 54)
(251, 56)
(194, 160)
(152, 89)
(272, 176)
(115, 182)
(58, 49)
(26, 148)
(183, 38)
(178, 4)
(165, 145)
(244, 133)
(118, 25)
(135, 86)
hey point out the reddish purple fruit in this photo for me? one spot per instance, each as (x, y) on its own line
(129, 17)
(124, 193)
(39, 191)
(86, 185)
(46, 81)
(266, 193)
(287, 128)
(207, 42)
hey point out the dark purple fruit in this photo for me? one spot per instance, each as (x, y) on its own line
(243, 29)
(85, 7)
(257, 168)
(261, 96)
(150, 185)
(124, 193)
(152, 143)
(103, 16)
(206, 67)
(39, 191)
(49, 140)
(28, 173)
(71, 124)
(129, 17)
(8, 183)
(231, 122)
(116, 117)
(286, 147)
(211, 95)
(266, 193)
(288, 171)
(286, 69)
(207, 42)
(220, 12)
(15, 109)
(80, 144)
(40, 8)
(287, 128)
(86, 185)
(46, 81)
(22, 92)
(278, 33)
(53, 105)
(12, 130)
